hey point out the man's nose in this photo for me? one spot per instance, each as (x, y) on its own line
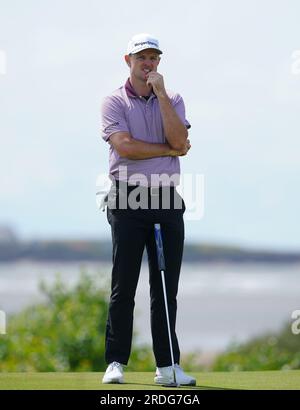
(148, 63)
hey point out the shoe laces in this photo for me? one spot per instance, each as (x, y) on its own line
(116, 364)
(178, 368)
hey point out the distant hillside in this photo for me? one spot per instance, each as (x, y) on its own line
(76, 250)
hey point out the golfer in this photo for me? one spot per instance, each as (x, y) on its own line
(146, 129)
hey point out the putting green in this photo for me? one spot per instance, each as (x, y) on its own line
(273, 380)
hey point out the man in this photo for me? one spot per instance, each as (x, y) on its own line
(146, 129)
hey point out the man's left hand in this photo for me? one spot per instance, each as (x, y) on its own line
(156, 80)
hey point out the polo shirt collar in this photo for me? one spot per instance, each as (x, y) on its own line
(130, 91)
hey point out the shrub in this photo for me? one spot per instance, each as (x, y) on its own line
(272, 351)
(66, 333)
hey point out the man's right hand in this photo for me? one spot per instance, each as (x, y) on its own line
(176, 153)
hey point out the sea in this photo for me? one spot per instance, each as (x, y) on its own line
(218, 303)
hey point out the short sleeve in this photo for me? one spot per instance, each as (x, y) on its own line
(113, 117)
(179, 107)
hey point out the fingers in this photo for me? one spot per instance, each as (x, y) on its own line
(155, 74)
(155, 80)
(185, 151)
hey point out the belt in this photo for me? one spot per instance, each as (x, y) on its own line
(152, 191)
(161, 197)
(155, 191)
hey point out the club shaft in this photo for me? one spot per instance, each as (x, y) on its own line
(168, 322)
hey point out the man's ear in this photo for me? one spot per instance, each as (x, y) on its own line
(127, 59)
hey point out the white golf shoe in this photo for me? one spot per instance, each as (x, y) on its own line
(164, 375)
(113, 374)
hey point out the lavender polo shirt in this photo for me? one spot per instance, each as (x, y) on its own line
(125, 111)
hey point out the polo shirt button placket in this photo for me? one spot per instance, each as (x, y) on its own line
(148, 116)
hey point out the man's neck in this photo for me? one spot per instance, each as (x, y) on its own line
(140, 87)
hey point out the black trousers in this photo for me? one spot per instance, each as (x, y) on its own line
(132, 230)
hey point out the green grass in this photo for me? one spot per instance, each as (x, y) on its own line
(267, 380)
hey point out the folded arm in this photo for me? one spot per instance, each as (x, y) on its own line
(128, 147)
(175, 131)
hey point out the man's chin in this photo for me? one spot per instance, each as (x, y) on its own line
(144, 80)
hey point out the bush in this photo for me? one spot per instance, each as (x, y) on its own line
(67, 333)
(269, 352)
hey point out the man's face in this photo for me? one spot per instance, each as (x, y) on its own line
(142, 63)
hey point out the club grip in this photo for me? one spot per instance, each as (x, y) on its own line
(159, 247)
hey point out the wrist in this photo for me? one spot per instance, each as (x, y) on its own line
(162, 95)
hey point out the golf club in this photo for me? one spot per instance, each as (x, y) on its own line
(162, 268)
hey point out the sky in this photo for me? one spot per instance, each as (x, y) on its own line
(236, 65)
